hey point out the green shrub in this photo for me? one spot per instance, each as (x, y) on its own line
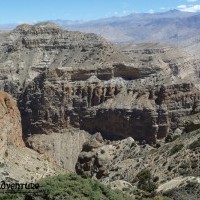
(145, 181)
(195, 144)
(176, 149)
(2, 165)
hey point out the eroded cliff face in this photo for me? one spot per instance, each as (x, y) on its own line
(117, 108)
(10, 123)
(65, 80)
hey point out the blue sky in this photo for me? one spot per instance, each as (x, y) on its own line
(31, 11)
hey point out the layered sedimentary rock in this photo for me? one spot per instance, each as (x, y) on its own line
(29, 50)
(66, 79)
(117, 108)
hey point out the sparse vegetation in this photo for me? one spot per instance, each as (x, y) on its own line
(70, 187)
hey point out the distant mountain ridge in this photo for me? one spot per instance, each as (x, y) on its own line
(169, 27)
(173, 26)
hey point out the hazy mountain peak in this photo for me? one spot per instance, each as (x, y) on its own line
(174, 11)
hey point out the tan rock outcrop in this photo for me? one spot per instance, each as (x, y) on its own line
(10, 123)
(123, 160)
